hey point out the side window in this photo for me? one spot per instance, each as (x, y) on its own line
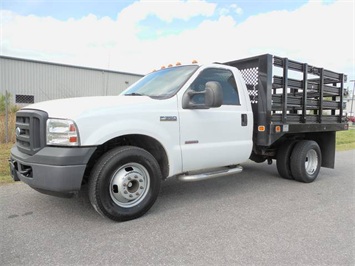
(224, 77)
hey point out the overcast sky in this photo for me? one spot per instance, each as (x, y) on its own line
(139, 36)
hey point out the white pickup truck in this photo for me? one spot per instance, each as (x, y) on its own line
(191, 122)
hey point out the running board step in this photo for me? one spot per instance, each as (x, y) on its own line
(216, 173)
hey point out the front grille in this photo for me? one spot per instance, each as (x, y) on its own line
(30, 130)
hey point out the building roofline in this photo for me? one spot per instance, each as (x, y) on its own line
(65, 65)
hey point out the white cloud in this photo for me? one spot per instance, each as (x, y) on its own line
(322, 35)
(165, 10)
(236, 9)
(232, 9)
(223, 11)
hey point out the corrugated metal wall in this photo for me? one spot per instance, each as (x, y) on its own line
(47, 81)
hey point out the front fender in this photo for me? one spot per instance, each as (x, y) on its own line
(166, 133)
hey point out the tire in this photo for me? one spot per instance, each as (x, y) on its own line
(306, 160)
(124, 183)
(283, 158)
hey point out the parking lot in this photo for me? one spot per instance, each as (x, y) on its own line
(251, 218)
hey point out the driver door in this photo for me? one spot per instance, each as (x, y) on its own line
(214, 137)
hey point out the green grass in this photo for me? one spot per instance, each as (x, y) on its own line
(345, 141)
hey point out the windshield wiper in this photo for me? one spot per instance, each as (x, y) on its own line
(135, 94)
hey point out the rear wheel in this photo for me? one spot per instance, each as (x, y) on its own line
(306, 160)
(283, 159)
(124, 183)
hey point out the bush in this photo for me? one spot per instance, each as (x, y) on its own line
(5, 101)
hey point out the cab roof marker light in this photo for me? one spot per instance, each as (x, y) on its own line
(261, 128)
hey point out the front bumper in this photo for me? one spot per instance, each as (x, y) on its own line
(52, 170)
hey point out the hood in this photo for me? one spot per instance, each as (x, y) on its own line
(73, 108)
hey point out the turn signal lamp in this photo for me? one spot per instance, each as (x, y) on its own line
(261, 128)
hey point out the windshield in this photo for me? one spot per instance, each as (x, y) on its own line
(163, 83)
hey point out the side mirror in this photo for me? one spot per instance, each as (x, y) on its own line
(213, 95)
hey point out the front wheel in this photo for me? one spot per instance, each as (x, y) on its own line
(306, 160)
(124, 183)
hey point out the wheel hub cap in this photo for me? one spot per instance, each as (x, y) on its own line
(311, 163)
(129, 185)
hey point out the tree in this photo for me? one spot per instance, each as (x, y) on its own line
(5, 102)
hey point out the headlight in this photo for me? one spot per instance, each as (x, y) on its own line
(62, 132)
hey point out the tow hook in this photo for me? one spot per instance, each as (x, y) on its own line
(13, 168)
(269, 161)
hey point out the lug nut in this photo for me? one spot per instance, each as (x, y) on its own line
(130, 195)
(129, 178)
(125, 192)
(137, 193)
(135, 176)
(124, 184)
(140, 180)
(141, 187)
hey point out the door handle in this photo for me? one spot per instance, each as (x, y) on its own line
(244, 120)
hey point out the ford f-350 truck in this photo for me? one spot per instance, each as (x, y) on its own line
(191, 122)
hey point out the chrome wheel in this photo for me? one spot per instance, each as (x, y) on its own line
(311, 163)
(129, 185)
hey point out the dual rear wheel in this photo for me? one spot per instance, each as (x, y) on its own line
(299, 160)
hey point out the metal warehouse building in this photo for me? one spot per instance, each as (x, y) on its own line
(30, 81)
